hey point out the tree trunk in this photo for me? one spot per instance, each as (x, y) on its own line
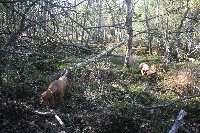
(97, 10)
(84, 24)
(181, 25)
(76, 18)
(166, 40)
(129, 32)
(148, 29)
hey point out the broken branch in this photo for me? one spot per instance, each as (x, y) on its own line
(87, 61)
(178, 121)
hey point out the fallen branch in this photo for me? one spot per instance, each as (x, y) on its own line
(167, 104)
(87, 61)
(59, 120)
(45, 114)
(50, 114)
(178, 121)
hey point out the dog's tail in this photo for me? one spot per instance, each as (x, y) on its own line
(68, 70)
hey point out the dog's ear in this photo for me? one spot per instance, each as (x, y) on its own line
(42, 97)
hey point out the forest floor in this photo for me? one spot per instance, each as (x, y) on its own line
(105, 97)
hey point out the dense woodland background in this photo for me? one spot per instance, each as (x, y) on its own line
(41, 39)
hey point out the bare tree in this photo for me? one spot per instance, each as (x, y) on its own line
(148, 28)
(181, 24)
(129, 32)
(84, 24)
(97, 9)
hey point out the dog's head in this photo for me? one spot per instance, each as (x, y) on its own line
(140, 66)
(46, 98)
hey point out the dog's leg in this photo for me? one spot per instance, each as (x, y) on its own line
(61, 99)
(142, 72)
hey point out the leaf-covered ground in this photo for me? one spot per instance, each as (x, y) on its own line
(105, 97)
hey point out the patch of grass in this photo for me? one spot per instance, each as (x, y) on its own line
(134, 89)
(119, 105)
(150, 59)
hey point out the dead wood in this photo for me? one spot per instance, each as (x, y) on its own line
(178, 121)
(87, 61)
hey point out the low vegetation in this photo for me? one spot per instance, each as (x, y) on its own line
(41, 39)
(103, 97)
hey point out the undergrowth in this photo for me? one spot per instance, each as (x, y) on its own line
(105, 97)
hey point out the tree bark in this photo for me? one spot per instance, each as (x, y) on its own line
(129, 32)
(84, 25)
(148, 28)
(178, 121)
(181, 25)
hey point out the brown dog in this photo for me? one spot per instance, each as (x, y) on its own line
(144, 68)
(56, 87)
